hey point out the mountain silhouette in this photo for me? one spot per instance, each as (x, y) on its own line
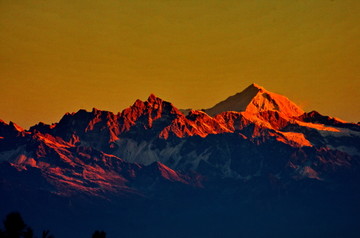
(156, 169)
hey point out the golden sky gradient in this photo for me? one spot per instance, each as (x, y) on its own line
(62, 55)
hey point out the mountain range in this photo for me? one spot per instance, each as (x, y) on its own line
(253, 165)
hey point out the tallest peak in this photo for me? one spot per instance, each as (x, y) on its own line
(256, 99)
(257, 86)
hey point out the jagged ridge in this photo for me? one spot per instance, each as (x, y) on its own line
(149, 131)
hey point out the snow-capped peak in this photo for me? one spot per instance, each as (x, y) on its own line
(256, 99)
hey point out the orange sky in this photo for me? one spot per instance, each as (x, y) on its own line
(63, 55)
